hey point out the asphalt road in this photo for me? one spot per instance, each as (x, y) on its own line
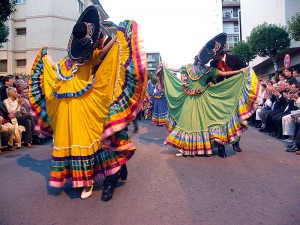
(261, 185)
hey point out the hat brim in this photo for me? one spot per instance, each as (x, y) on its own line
(76, 50)
(206, 53)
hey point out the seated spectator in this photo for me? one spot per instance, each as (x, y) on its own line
(288, 123)
(281, 79)
(278, 105)
(38, 138)
(289, 95)
(17, 106)
(7, 125)
(8, 130)
(20, 84)
(296, 146)
(261, 103)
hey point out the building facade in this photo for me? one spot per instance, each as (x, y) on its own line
(231, 22)
(277, 12)
(153, 60)
(35, 25)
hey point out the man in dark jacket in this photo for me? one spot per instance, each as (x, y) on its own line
(228, 62)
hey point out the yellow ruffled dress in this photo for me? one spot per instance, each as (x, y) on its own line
(81, 102)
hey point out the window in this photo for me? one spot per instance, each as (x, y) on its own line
(80, 6)
(3, 65)
(236, 27)
(21, 62)
(20, 1)
(150, 65)
(232, 41)
(150, 57)
(235, 13)
(21, 31)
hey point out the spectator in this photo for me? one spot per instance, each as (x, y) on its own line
(20, 85)
(296, 146)
(7, 81)
(281, 79)
(17, 106)
(288, 75)
(296, 75)
(7, 125)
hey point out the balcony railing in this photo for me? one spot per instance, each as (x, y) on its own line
(230, 3)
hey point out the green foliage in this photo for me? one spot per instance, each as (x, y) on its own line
(268, 40)
(243, 50)
(4, 31)
(294, 27)
(7, 7)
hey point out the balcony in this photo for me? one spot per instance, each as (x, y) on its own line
(230, 17)
(230, 3)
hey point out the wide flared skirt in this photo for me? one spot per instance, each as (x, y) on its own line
(218, 114)
(160, 111)
(79, 112)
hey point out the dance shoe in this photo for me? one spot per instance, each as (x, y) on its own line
(86, 192)
(221, 151)
(237, 148)
(294, 148)
(109, 185)
(123, 172)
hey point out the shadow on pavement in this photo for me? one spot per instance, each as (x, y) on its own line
(43, 167)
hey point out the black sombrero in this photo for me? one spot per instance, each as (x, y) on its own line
(212, 48)
(85, 34)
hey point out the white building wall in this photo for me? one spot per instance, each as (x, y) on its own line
(277, 12)
(48, 23)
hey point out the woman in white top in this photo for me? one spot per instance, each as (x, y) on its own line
(16, 105)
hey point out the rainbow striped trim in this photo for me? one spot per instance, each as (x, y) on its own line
(36, 95)
(127, 105)
(200, 142)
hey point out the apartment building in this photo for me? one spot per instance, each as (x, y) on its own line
(231, 22)
(39, 23)
(153, 60)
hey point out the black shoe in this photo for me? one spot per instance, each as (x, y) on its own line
(262, 130)
(294, 148)
(290, 146)
(221, 151)
(109, 185)
(279, 136)
(123, 172)
(136, 126)
(237, 148)
(258, 125)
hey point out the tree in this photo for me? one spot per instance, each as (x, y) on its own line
(294, 27)
(243, 50)
(269, 40)
(7, 7)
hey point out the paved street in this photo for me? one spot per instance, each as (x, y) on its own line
(259, 186)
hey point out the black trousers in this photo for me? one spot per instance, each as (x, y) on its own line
(29, 124)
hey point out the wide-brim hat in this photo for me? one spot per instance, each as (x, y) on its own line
(212, 48)
(78, 49)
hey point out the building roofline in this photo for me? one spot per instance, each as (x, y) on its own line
(96, 2)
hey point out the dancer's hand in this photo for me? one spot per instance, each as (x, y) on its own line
(243, 70)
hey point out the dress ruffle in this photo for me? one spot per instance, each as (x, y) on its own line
(37, 96)
(198, 138)
(131, 85)
(80, 154)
